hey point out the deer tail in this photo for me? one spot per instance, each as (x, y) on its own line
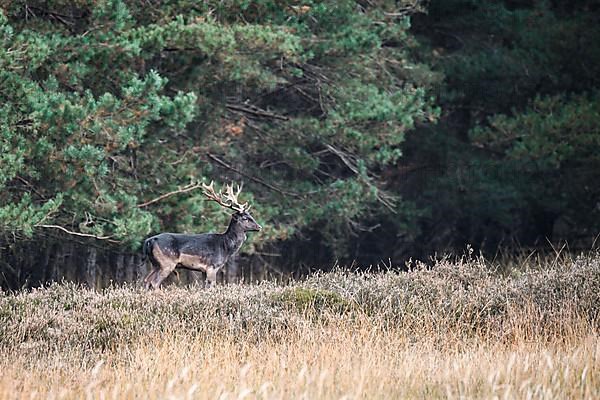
(146, 250)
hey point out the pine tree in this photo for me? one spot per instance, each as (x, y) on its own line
(110, 105)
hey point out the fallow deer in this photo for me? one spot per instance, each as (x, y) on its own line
(206, 252)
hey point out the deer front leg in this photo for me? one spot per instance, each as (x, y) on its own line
(211, 276)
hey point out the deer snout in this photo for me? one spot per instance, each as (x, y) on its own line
(255, 227)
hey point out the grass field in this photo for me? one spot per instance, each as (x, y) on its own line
(462, 329)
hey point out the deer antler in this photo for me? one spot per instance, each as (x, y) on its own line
(227, 200)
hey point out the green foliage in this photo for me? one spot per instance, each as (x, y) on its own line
(496, 55)
(111, 104)
(105, 106)
(552, 132)
(24, 216)
(552, 144)
(511, 158)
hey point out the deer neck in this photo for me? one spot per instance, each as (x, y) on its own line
(234, 237)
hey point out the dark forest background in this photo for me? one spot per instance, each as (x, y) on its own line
(364, 132)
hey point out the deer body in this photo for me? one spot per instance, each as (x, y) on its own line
(207, 252)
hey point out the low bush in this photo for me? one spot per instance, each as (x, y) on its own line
(465, 297)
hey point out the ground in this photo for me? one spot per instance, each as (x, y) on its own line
(459, 329)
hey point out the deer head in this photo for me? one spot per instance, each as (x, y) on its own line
(229, 199)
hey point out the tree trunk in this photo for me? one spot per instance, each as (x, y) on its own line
(120, 276)
(129, 265)
(90, 268)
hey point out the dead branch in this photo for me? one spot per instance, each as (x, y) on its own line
(256, 111)
(107, 238)
(30, 186)
(386, 200)
(185, 189)
(253, 178)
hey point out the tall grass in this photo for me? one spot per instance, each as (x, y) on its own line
(458, 329)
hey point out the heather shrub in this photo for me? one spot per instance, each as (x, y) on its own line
(313, 299)
(463, 298)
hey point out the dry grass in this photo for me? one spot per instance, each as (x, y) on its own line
(459, 330)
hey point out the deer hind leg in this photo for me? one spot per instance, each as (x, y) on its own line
(154, 267)
(164, 264)
(150, 276)
(160, 274)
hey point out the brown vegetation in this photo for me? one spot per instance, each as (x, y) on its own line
(458, 329)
